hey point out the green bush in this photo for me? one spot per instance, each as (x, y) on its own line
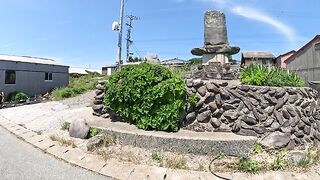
(260, 75)
(17, 96)
(151, 96)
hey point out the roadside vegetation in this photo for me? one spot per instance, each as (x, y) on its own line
(149, 95)
(261, 75)
(17, 96)
(77, 86)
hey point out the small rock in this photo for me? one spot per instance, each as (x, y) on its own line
(79, 128)
(102, 82)
(189, 83)
(293, 99)
(231, 115)
(275, 126)
(218, 100)
(305, 104)
(236, 126)
(216, 123)
(191, 117)
(223, 84)
(247, 104)
(225, 94)
(209, 97)
(247, 132)
(97, 107)
(197, 83)
(278, 117)
(275, 140)
(299, 134)
(213, 106)
(307, 130)
(97, 102)
(202, 91)
(268, 122)
(99, 92)
(285, 114)
(227, 107)
(204, 117)
(249, 120)
(100, 87)
(212, 87)
(295, 156)
(244, 88)
(280, 92)
(200, 103)
(306, 121)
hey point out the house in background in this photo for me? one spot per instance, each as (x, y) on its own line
(306, 61)
(258, 57)
(31, 75)
(173, 62)
(109, 70)
(280, 61)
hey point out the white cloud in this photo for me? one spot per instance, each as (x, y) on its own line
(257, 15)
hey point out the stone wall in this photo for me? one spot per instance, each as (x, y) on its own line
(293, 113)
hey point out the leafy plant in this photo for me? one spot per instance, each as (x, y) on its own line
(17, 96)
(192, 100)
(257, 148)
(93, 132)
(151, 96)
(248, 165)
(279, 163)
(254, 74)
(156, 155)
(260, 75)
(65, 126)
(221, 155)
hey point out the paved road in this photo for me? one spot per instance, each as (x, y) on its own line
(19, 160)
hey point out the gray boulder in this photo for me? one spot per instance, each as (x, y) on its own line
(79, 128)
(275, 140)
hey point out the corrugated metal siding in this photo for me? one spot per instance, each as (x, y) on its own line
(30, 78)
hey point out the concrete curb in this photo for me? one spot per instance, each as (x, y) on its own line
(111, 168)
(121, 170)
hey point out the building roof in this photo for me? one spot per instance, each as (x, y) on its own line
(29, 59)
(258, 54)
(75, 70)
(287, 53)
(173, 61)
(316, 38)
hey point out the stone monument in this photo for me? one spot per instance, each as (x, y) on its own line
(216, 47)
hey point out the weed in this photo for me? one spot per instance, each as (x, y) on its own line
(108, 140)
(201, 167)
(248, 165)
(156, 155)
(63, 141)
(309, 158)
(105, 155)
(65, 126)
(221, 155)
(93, 132)
(279, 163)
(131, 157)
(174, 162)
(283, 150)
(257, 148)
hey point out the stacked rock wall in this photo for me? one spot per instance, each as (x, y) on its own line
(253, 110)
(98, 107)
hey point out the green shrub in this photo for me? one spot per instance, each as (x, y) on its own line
(17, 96)
(192, 100)
(151, 96)
(248, 165)
(255, 74)
(260, 75)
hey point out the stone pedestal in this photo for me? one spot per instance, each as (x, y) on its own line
(221, 58)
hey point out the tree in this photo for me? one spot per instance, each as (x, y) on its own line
(195, 61)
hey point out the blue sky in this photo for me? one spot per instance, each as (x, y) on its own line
(78, 32)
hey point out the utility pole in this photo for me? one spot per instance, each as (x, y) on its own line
(129, 41)
(120, 33)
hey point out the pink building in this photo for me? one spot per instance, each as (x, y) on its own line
(280, 61)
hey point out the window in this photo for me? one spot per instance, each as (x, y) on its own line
(10, 77)
(48, 76)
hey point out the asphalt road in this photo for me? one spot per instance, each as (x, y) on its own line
(19, 160)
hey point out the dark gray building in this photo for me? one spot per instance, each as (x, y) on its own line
(258, 57)
(306, 61)
(31, 75)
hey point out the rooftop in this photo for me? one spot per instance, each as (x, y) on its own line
(29, 59)
(173, 61)
(258, 54)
